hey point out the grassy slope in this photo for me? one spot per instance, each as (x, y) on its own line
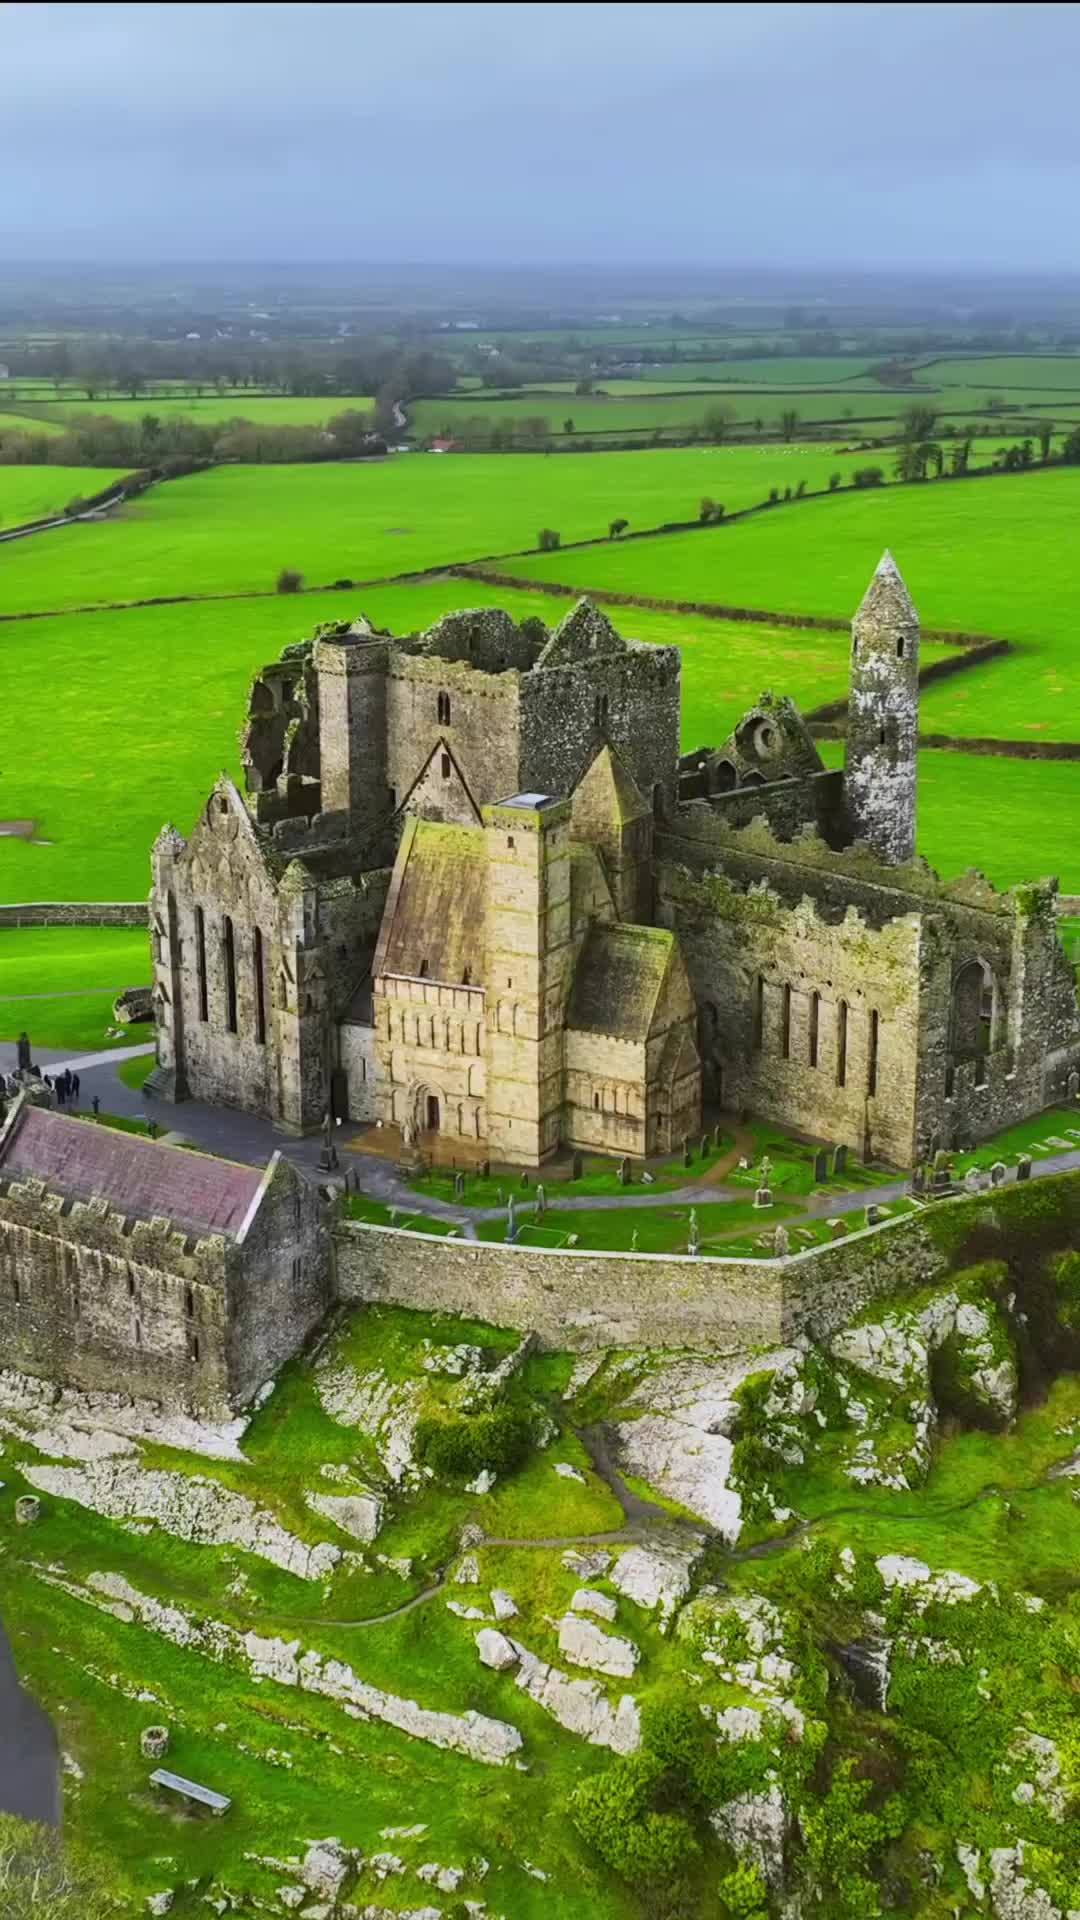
(988, 555)
(29, 493)
(233, 529)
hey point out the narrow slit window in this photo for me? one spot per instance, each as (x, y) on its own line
(446, 766)
(872, 1057)
(785, 1025)
(444, 709)
(260, 990)
(759, 1012)
(230, 975)
(900, 649)
(815, 1027)
(841, 1043)
(200, 955)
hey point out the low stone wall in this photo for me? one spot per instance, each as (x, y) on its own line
(578, 1300)
(75, 913)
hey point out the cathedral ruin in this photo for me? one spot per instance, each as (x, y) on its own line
(474, 892)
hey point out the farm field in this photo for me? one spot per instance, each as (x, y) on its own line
(20, 423)
(281, 409)
(621, 412)
(232, 529)
(102, 801)
(982, 555)
(999, 372)
(30, 493)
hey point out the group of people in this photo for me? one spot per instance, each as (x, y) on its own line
(65, 1086)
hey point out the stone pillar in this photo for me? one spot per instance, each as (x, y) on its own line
(352, 672)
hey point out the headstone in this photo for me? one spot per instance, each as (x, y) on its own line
(624, 1172)
(837, 1228)
(693, 1239)
(839, 1160)
(1023, 1167)
(780, 1242)
(459, 1186)
(1074, 1084)
(633, 1241)
(918, 1179)
(154, 1742)
(647, 1178)
(972, 1181)
(942, 1158)
(576, 1165)
(687, 1150)
(511, 1221)
(718, 1135)
(485, 1169)
(763, 1197)
(704, 1146)
(541, 1201)
(997, 1173)
(872, 1215)
(524, 1179)
(942, 1178)
(821, 1166)
(23, 1055)
(27, 1509)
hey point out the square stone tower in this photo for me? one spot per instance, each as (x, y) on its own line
(529, 960)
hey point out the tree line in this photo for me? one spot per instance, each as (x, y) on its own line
(171, 444)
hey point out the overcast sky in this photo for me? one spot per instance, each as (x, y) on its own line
(902, 135)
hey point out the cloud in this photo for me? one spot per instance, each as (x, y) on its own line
(868, 134)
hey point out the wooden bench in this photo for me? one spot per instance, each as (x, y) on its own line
(218, 1803)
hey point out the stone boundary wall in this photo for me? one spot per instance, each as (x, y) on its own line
(75, 913)
(582, 1300)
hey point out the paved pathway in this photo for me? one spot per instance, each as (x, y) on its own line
(246, 1137)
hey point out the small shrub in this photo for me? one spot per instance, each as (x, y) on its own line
(289, 581)
(616, 527)
(336, 583)
(835, 480)
(548, 539)
(459, 1446)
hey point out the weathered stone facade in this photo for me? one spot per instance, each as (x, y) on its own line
(129, 1266)
(473, 887)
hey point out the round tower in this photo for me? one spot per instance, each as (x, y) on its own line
(880, 771)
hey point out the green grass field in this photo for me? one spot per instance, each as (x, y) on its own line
(1010, 373)
(31, 493)
(21, 423)
(986, 555)
(280, 409)
(875, 408)
(233, 529)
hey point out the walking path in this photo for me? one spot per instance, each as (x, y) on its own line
(246, 1137)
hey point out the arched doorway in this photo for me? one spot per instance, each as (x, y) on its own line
(973, 1016)
(432, 1115)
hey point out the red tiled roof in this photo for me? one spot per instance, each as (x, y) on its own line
(135, 1175)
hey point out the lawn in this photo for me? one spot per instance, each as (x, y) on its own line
(58, 984)
(19, 423)
(232, 530)
(643, 1229)
(31, 493)
(1014, 374)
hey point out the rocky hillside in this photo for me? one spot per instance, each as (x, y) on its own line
(461, 1627)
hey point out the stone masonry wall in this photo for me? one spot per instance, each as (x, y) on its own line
(88, 1304)
(279, 1286)
(630, 699)
(74, 913)
(481, 730)
(585, 1301)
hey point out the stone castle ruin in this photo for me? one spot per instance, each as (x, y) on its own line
(475, 892)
